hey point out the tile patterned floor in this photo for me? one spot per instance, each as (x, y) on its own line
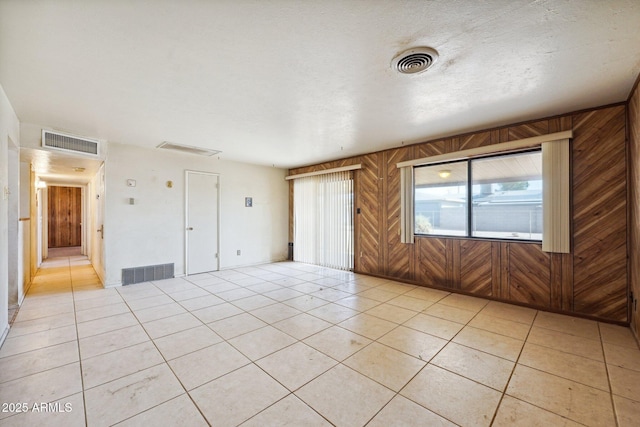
(293, 344)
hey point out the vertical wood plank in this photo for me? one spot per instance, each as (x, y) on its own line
(528, 130)
(432, 267)
(504, 270)
(503, 135)
(475, 260)
(634, 207)
(368, 198)
(600, 214)
(560, 124)
(451, 145)
(529, 275)
(556, 281)
(398, 255)
(453, 264)
(454, 145)
(479, 139)
(567, 282)
(430, 149)
(495, 270)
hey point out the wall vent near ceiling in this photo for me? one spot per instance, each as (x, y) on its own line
(188, 149)
(69, 143)
(147, 273)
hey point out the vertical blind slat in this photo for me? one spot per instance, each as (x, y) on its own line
(323, 220)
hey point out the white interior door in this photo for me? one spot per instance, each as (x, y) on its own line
(97, 225)
(202, 222)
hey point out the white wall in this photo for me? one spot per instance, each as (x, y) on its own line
(25, 229)
(9, 129)
(152, 231)
(25, 189)
(14, 235)
(31, 134)
(95, 195)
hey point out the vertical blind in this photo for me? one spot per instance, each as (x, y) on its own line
(407, 202)
(556, 232)
(323, 220)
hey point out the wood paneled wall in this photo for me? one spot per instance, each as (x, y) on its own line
(64, 216)
(600, 214)
(634, 205)
(591, 281)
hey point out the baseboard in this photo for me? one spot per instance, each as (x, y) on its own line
(253, 264)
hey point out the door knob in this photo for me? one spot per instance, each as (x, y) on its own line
(189, 228)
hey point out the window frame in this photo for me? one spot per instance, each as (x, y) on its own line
(469, 195)
(467, 223)
(556, 192)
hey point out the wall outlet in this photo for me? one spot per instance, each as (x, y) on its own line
(238, 252)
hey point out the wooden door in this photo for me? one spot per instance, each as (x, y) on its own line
(65, 214)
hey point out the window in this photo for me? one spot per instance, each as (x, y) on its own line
(507, 197)
(495, 171)
(491, 197)
(440, 200)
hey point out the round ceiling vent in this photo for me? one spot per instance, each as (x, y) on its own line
(414, 60)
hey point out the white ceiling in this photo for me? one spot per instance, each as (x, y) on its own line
(289, 83)
(517, 167)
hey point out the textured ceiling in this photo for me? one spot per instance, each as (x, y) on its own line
(289, 83)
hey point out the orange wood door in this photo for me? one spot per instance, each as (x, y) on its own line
(64, 217)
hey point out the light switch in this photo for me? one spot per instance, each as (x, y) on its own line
(131, 183)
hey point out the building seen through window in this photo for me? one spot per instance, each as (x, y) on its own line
(492, 197)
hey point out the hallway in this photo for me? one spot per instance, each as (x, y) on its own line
(290, 342)
(39, 360)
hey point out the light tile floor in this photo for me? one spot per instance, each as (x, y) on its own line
(294, 344)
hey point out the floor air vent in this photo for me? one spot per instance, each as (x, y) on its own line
(69, 143)
(147, 273)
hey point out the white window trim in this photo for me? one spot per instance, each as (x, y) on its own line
(407, 216)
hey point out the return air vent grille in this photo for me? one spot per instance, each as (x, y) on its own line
(416, 60)
(188, 149)
(63, 142)
(147, 273)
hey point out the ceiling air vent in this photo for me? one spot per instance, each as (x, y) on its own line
(415, 60)
(188, 149)
(69, 143)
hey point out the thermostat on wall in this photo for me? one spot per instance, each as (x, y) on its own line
(131, 183)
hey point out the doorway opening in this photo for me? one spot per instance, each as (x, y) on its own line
(65, 214)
